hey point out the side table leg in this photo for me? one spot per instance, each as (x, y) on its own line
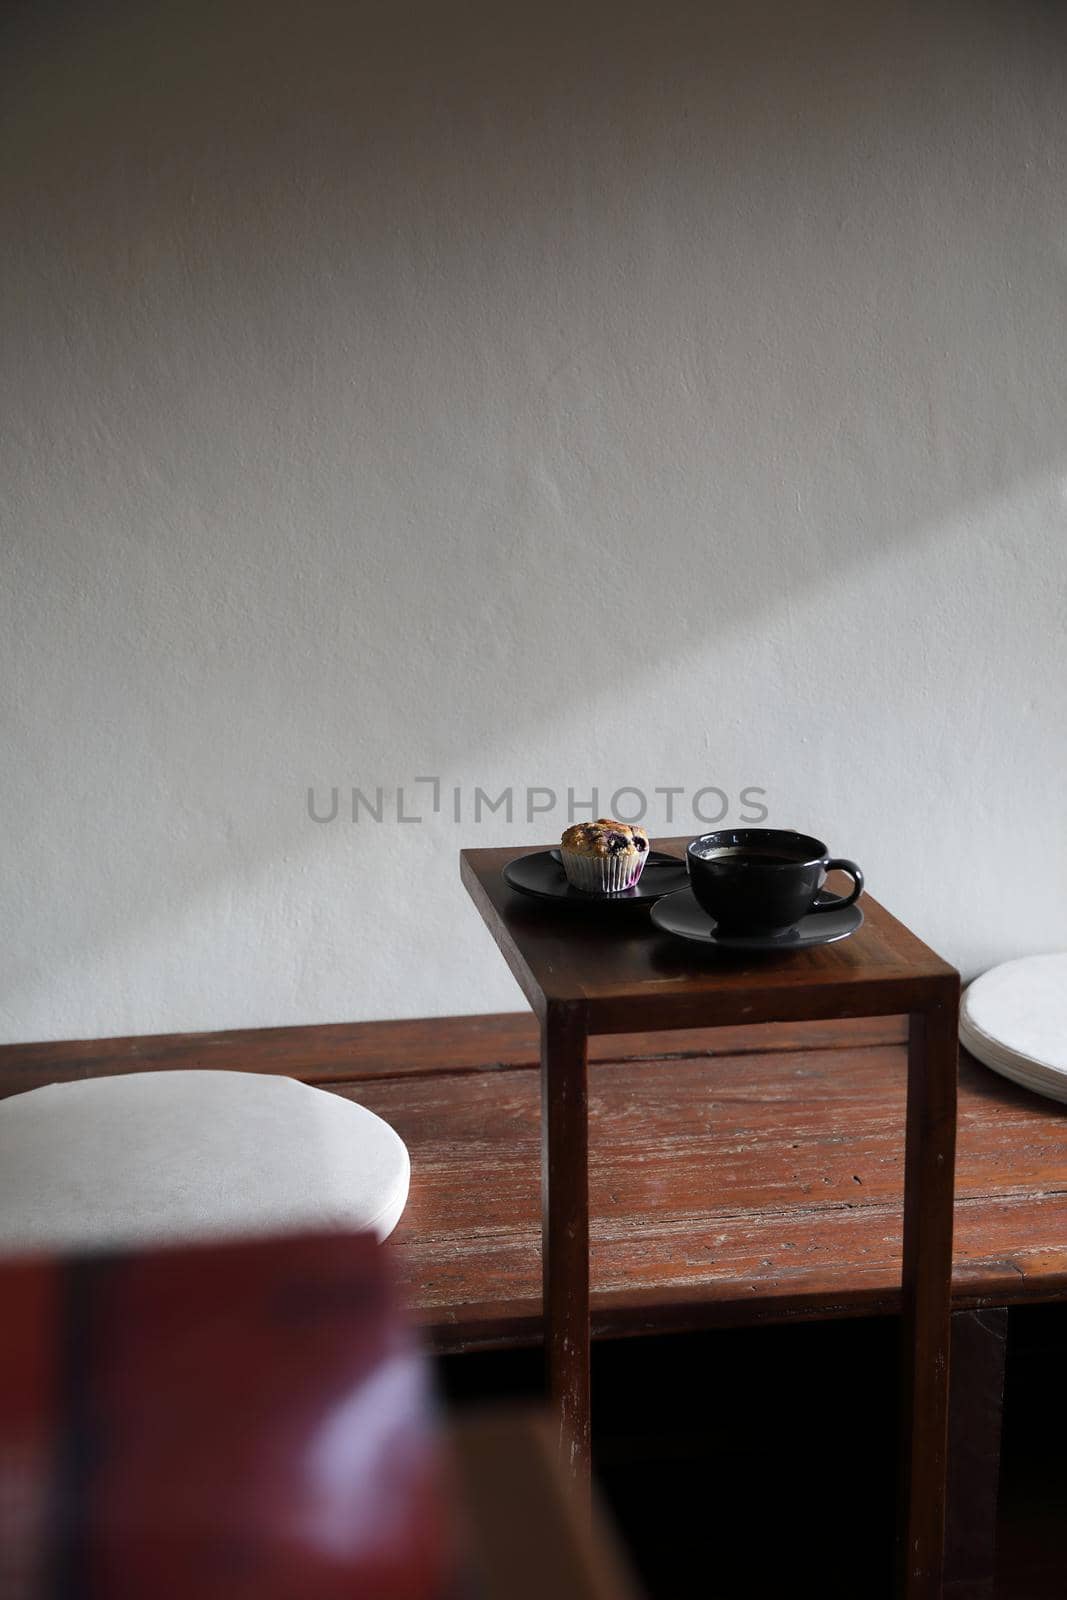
(929, 1164)
(565, 1226)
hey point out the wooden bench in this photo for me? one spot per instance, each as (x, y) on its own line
(805, 1219)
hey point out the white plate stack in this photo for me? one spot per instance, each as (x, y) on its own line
(1014, 1020)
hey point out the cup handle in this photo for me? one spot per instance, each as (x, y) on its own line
(838, 902)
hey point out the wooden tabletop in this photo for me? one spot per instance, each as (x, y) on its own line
(761, 1184)
(628, 975)
(802, 1123)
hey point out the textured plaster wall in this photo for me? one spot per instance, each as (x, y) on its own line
(548, 395)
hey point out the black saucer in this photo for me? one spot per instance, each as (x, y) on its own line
(542, 876)
(681, 914)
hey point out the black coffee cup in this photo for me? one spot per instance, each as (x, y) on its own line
(764, 880)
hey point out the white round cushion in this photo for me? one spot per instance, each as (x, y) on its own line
(154, 1157)
(1014, 1020)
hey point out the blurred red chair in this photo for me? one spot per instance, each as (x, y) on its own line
(252, 1421)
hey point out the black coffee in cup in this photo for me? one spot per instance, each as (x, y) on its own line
(763, 881)
(739, 853)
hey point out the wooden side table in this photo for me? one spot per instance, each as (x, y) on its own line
(607, 972)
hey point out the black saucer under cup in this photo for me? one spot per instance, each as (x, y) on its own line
(765, 880)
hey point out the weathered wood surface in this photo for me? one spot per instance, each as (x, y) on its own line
(740, 1178)
(723, 1190)
(352, 1052)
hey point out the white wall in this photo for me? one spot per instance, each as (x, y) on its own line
(603, 393)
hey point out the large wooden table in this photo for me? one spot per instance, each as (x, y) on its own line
(598, 974)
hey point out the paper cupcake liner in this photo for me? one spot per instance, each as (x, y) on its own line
(603, 874)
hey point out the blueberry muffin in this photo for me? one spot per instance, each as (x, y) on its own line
(605, 856)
